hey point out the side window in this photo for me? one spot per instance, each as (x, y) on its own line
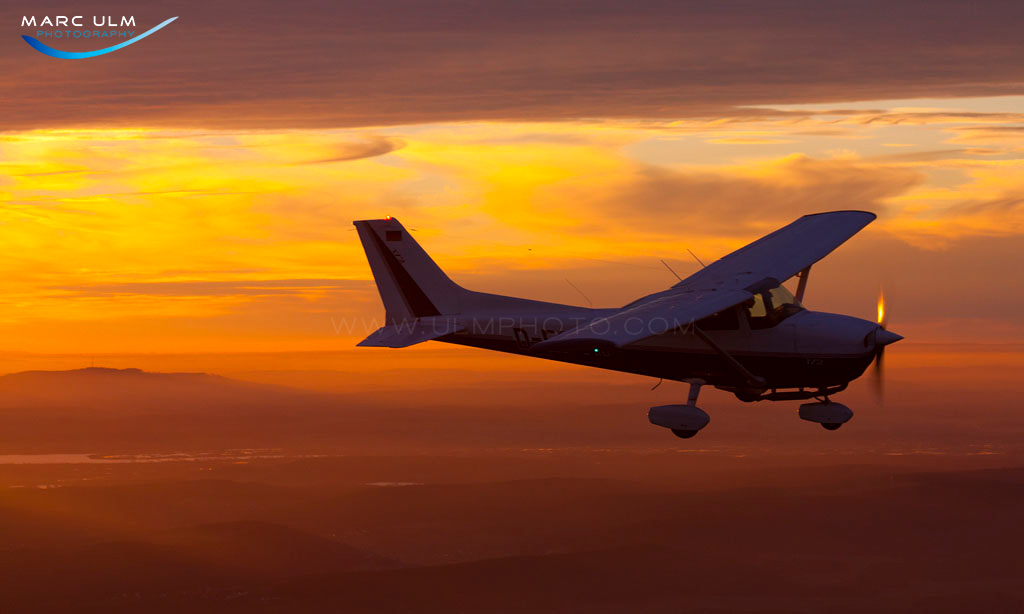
(769, 308)
(760, 312)
(755, 306)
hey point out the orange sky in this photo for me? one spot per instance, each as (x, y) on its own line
(170, 206)
(164, 240)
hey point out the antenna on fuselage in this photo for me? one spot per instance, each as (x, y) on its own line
(671, 270)
(699, 261)
(580, 291)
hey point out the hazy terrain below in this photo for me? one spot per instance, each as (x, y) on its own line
(128, 491)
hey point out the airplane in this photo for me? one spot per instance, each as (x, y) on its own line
(731, 325)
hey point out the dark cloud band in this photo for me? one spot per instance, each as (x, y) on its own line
(320, 63)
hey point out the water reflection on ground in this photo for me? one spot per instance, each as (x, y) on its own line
(79, 459)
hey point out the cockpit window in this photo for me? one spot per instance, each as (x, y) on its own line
(781, 296)
(755, 307)
(771, 307)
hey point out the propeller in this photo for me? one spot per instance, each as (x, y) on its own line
(880, 349)
(882, 338)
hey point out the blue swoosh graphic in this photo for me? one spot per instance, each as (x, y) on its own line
(75, 55)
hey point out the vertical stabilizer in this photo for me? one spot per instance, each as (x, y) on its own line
(411, 285)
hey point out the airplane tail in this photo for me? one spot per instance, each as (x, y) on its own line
(411, 285)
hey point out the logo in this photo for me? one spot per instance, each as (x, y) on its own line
(77, 22)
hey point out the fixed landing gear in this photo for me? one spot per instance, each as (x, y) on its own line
(829, 414)
(687, 420)
(683, 420)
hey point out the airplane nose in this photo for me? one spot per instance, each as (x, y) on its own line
(884, 337)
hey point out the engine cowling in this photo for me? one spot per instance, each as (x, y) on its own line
(679, 417)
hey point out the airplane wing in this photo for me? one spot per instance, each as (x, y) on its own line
(785, 252)
(727, 282)
(406, 333)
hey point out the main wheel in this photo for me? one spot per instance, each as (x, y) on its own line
(682, 434)
(831, 426)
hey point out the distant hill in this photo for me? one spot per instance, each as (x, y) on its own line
(102, 410)
(129, 410)
(133, 390)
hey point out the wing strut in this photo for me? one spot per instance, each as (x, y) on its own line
(802, 286)
(750, 378)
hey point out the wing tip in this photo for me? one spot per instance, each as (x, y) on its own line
(871, 214)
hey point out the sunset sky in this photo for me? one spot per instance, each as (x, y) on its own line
(194, 192)
(178, 214)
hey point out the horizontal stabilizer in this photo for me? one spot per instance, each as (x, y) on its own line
(404, 334)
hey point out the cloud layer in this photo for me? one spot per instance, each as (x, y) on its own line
(322, 63)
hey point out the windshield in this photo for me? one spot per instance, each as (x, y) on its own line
(771, 307)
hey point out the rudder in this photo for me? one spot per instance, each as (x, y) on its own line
(410, 283)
